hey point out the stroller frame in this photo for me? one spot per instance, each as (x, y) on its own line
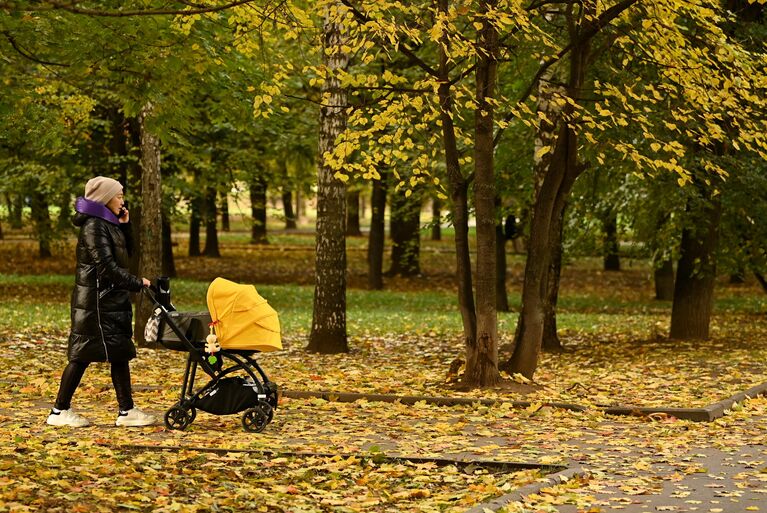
(183, 413)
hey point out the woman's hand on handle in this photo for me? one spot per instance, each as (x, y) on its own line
(146, 282)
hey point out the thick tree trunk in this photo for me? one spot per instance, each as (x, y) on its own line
(501, 296)
(610, 246)
(258, 210)
(695, 275)
(328, 334)
(376, 237)
(551, 341)
(545, 231)
(225, 226)
(353, 213)
(150, 260)
(436, 219)
(134, 171)
(405, 230)
(664, 280)
(458, 195)
(195, 221)
(211, 230)
(287, 207)
(168, 262)
(42, 223)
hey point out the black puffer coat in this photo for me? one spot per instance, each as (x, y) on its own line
(101, 310)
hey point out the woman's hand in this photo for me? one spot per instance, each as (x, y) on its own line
(146, 282)
(124, 216)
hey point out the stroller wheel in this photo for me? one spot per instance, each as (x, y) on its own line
(192, 415)
(257, 418)
(178, 418)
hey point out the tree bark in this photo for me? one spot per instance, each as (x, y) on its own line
(458, 188)
(42, 223)
(328, 334)
(502, 297)
(664, 280)
(195, 221)
(610, 246)
(258, 210)
(225, 213)
(545, 231)
(436, 219)
(353, 213)
(551, 341)
(376, 237)
(150, 259)
(134, 171)
(15, 206)
(695, 275)
(405, 230)
(287, 207)
(211, 230)
(168, 262)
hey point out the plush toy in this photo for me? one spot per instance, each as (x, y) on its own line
(212, 346)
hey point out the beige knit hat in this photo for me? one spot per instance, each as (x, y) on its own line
(102, 189)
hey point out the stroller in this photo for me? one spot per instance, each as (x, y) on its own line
(244, 324)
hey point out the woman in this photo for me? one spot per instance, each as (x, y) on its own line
(101, 309)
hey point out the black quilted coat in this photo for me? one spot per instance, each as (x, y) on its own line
(101, 309)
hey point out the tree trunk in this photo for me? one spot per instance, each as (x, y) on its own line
(664, 280)
(328, 334)
(134, 171)
(551, 341)
(15, 208)
(436, 219)
(168, 263)
(405, 230)
(225, 213)
(195, 221)
(501, 296)
(458, 187)
(695, 275)
(42, 223)
(150, 260)
(610, 244)
(258, 210)
(545, 230)
(376, 237)
(287, 206)
(211, 230)
(353, 213)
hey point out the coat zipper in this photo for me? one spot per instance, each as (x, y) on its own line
(98, 316)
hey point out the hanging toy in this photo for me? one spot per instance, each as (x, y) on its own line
(211, 345)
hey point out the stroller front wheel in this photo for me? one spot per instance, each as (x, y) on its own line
(178, 418)
(255, 419)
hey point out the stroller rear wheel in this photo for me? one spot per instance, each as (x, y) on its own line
(255, 419)
(178, 418)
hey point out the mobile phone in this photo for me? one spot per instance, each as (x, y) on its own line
(123, 209)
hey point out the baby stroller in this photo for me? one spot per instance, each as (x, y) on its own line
(244, 324)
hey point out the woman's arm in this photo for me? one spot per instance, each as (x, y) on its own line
(98, 242)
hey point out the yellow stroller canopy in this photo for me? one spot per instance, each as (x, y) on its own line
(244, 320)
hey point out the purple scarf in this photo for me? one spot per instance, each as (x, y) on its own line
(95, 209)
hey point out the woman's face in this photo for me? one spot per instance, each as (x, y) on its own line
(116, 203)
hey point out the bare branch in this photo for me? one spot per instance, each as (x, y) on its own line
(28, 55)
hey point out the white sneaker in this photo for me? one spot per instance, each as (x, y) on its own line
(135, 418)
(67, 418)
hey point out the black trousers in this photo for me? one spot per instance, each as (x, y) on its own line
(73, 373)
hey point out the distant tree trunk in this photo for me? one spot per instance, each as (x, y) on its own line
(42, 223)
(664, 280)
(2, 235)
(211, 231)
(610, 245)
(15, 208)
(502, 297)
(150, 260)
(376, 237)
(258, 210)
(436, 218)
(168, 263)
(353, 213)
(195, 221)
(287, 206)
(695, 275)
(134, 172)
(64, 220)
(225, 213)
(405, 230)
(738, 277)
(328, 334)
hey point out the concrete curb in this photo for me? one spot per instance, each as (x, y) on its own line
(521, 493)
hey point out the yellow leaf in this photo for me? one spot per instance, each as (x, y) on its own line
(543, 150)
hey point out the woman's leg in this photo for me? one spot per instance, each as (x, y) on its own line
(70, 380)
(121, 382)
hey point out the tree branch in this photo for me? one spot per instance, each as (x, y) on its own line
(29, 56)
(72, 7)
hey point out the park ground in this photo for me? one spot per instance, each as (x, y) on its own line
(330, 456)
